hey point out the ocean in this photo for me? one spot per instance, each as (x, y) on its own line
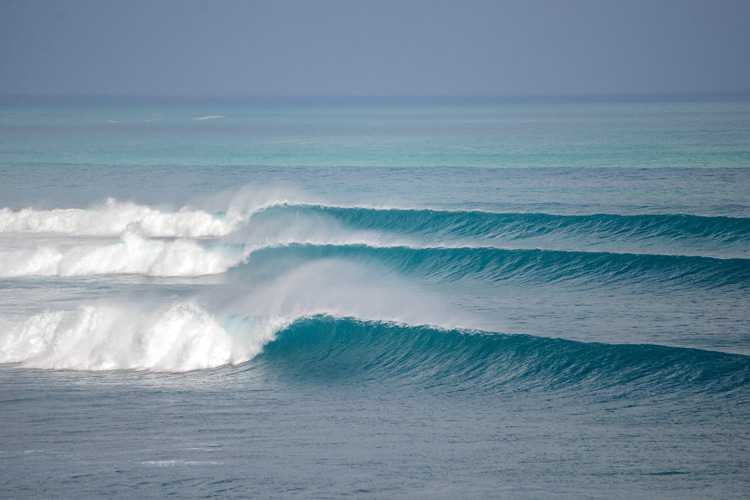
(375, 298)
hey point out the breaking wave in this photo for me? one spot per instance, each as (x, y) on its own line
(184, 337)
(341, 275)
(329, 347)
(114, 218)
(107, 337)
(132, 255)
(526, 266)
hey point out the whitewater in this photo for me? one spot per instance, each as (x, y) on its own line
(440, 299)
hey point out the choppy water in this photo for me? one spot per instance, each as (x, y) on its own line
(375, 299)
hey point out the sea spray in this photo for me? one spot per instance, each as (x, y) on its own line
(179, 338)
(134, 254)
(114, 218)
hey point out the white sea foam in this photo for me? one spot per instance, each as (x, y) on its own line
(114, 218)
(183, 336)
(132, 255)
(209, 117)
(106, 337)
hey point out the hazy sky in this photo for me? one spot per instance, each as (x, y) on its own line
(350, 47)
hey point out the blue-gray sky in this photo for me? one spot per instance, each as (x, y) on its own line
(361, 48)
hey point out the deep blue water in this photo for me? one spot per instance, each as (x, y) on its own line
(375, 299)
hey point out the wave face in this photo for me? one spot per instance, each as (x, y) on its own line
(530, 266)
(488, 225)
(185, 337)
(453, 360)
(722, 237)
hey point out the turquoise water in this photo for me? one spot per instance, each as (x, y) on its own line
(382, 134)
(389, 299)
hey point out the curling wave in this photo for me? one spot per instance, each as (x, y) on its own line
(526, 266)
(723, 237)
(330, 348)
(184, 337)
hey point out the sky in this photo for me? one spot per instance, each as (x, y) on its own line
(373, 48)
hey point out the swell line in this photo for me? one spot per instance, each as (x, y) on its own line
(524, 266)
(668, 234)
(521, 225)
(348, 348)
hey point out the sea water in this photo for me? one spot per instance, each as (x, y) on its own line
(375, 298)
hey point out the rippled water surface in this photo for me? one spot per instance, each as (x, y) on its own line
(366, 299)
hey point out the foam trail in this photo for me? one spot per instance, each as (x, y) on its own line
(114, 218)
(132, 255)
(106, 337)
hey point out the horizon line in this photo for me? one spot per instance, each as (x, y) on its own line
(72, 99)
